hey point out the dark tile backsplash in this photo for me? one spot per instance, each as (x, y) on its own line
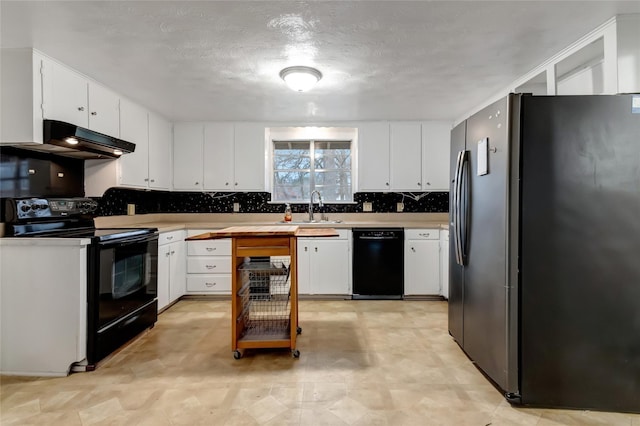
(114, 202)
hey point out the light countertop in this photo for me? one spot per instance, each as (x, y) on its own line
(178, 221)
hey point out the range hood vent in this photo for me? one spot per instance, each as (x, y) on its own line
(72, 141)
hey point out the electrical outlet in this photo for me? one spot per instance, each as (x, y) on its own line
(236, 207)
(131, 209)
(367, 206)
(399, 207)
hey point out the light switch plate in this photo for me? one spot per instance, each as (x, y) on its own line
(236, 207)
(399, 207)
(367, 206)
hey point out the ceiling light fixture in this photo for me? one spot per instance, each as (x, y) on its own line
(300, 79)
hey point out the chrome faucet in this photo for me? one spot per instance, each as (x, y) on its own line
(311, 205)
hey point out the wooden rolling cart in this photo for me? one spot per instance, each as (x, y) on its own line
(264, 293)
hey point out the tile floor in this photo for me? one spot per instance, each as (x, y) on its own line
(361, 363)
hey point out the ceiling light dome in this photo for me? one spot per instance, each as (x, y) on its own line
(300, 79)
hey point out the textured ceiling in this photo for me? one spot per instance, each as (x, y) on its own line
(215, 60)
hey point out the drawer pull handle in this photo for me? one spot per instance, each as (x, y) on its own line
(413, 249)
(210, 266)
(170, 237)
(424, 235)
(211, 248)
(210, 284)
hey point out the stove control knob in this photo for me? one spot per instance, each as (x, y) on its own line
(25, 208)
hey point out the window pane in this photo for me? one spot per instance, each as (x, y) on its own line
(291, 155)
(334, 185)
(291, 185)
(333, 155)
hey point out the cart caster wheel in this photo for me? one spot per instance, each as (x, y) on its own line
(299, 330)
(295, 353)
(237, 354)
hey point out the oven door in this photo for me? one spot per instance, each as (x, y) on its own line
(125, 278)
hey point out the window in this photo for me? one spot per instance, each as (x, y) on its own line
(302, 166)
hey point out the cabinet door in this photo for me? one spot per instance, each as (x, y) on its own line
(304, 265)
(444, 264)
(134, 127)
(406, 156)
(373, 157)
(422, 267)
(218, 154)
(249, 157)
(67, 100)
(436, 141)
(188, 161)
(178, 271)
(104, 110)
(164, 274)
(329, 267)
(160, 135)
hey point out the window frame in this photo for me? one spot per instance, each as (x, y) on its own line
(311, 141)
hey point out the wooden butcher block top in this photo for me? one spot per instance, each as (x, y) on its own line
(265, 231)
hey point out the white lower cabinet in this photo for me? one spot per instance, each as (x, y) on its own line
(444, 263)
(208, 265)
(171, 267)
(324, 264)
(422, 262)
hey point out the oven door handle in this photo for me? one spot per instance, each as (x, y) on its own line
(130, 240)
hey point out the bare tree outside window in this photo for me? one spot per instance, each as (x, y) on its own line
(300, 167)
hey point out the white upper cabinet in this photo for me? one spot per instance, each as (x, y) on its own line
(21, 96)
(436, 140)
(160, 137)
(65, 95)
(134, 127)
(405, 156)
(104, 110)
(249, 157)
(232, 157)
(188, 161)
(373, 156)
(72, 98)
(218, 154)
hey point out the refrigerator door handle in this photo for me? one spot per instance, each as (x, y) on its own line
(463, 209)
(456, 208)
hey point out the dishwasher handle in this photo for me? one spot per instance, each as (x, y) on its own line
(391, 237)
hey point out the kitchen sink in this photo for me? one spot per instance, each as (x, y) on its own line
(309, 222)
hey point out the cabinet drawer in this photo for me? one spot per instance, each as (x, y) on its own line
(209, 248)
(170, 237)
(209, 283)
(421, 234)
(343, 234)
(209, 265)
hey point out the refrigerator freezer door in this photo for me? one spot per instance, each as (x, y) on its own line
(580, 287)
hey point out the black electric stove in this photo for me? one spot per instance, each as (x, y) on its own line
(121, 266)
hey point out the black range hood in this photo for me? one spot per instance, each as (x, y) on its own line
(72, 141)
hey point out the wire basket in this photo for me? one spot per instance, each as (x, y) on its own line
(265, 294)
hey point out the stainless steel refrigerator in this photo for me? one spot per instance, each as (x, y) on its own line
(545, 248)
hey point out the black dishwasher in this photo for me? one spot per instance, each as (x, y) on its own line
(378, 263)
